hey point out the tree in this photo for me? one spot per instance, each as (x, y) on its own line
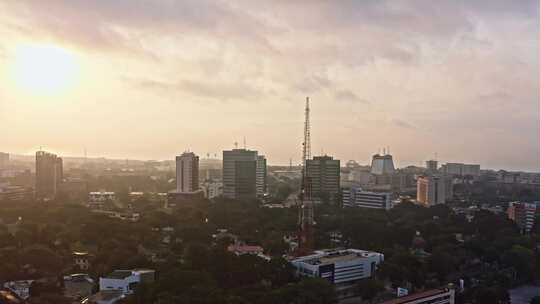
(535, 300)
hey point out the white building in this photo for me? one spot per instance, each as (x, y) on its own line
(187, 173)
(212, 189)
(339, 266)
(356, 197)
(100, 197)
(125, 281)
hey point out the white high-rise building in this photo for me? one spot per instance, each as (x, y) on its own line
(187, 173)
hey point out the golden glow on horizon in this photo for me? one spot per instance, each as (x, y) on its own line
(44, 69)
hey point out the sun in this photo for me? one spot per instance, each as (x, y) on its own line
(44, 69)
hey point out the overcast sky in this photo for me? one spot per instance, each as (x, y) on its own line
(456, 78)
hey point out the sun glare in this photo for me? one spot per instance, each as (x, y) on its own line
(44, 69)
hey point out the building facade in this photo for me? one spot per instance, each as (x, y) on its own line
(240, 174)
(4, 160)
(434, 296)
(125, 281)
(10, 193)
(49, 175)
(187, 173)
(524, 215)
(382, 164)
(431, 190)
(343, 266)
(261, 176)
(323, 177)
(356, 197)
(460, 170)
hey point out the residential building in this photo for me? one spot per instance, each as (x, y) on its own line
(323, 175)
(82, 260)
(431, 190)
(49, 175)
(339, 266)
(382, 164)
(99, 198)
(187, 173)
(125, 281)
(461, 170)
(524, 215)
(434, 296)
(212, 189)
(4, 160)
(240, 174)
(10, 193)
(432, 166)
(261, 176)
(354, 196)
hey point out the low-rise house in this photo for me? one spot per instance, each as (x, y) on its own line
(126, 280)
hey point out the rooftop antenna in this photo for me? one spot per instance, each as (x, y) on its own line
(244, 143)
(236, 145)
(384, 151)
(388, 149)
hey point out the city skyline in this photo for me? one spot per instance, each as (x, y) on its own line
(451, 78)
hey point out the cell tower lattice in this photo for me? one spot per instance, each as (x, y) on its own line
(306, 214)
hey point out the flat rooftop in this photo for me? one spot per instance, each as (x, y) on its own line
(333, 256)
(417, 296)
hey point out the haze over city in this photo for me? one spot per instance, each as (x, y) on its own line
(148, 80)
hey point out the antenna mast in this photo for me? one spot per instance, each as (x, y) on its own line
(306, 218)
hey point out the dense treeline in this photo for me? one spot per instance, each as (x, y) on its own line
(193, 267)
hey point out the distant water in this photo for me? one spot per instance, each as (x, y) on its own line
(523, 294)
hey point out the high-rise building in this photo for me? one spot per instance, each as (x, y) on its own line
(432, 166)
(187, 173)
(524, 215)
(261, 175)
(458, 169)
(4, 160)
(49, 175)
(240, 174)
(323, 178)
(382, 164)
(431, 190)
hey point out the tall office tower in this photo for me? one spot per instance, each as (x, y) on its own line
(261, 175)
(323, 175)
(432, 166)
(382, 164)
(431, 190)
(240, 174)
(49, 175)
(4, 160)
(187, 173)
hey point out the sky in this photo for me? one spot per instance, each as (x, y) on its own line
(150, 79)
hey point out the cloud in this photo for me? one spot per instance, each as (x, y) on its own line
(313, 83)
(349, 96)
(402, 123)
(219, 91)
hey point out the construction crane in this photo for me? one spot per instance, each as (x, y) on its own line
(306, 214)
